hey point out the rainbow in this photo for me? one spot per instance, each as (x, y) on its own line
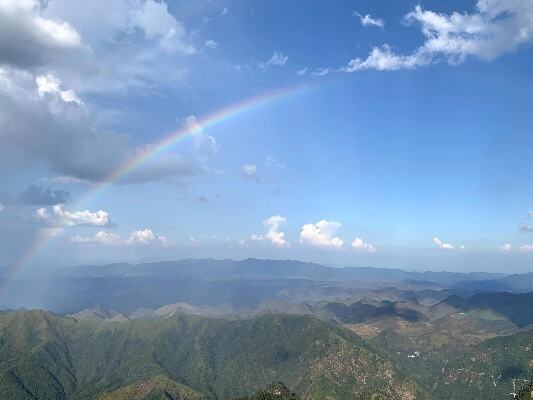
(209, 121)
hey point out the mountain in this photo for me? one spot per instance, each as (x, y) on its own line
(252, 268)
(276, 391)
(159, 387)
(45, 356)
(516, 307)
(491, 369)
(362, 311)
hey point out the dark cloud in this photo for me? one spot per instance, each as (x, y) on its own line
(526, 227)
(27, 39)
(61, 134)
(38, 195)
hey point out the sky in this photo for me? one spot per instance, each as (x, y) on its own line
(350, 133)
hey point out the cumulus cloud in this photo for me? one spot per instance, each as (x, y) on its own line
(250, 172)
(27, 39)
(494, 28)
(141, 237)
(442, 245)
(359, 244)
(61, 217)
(154, 19)
(273, 233)
(367, 20)
(321, 234)
(507, 247)
(526, 248)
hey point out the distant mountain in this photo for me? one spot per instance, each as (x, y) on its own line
(45, 356)
(362, 311)
(274, 269)
(517, 307)
(98, 314)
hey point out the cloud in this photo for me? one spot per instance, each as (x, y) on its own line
(38, 195)
(278, 59)
(47, 129)
(526, 227)
(100, 237)
(153, 18)
(367, 20)
(506, 247)
(321, 234)
(250, 172)
(272, 161)
(441, 244)
(27, 39)
(224, 11)
(359, 244)
(494, 28)
(62, 217)
(51, 84)
(462, 247)
(302, 72)
(141, 237)
(211, 44)
(526, 248)
(273, 233)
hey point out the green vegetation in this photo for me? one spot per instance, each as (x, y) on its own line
(44, 356)
(276, 391)
(159, 387)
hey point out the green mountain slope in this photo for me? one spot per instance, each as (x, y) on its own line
(43, 356)
(276, 391)
(159, 387)
(491, 370)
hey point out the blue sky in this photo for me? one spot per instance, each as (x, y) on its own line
(410, 146)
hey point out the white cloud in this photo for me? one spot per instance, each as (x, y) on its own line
(256, 237)
(51, 84)
(100, 237)
(224, 11)
(359, 244)
(441, 244)
(273, 233)
(60, 216)
(462, 247)
(321, 234)
(1, 207)
(272, 161)
(302, 72)
(250, 172)
(141, 237)
(507, 247)
(211, 44)
(155, 20)
(367, 20)
(384, 59)
(496, 27)
(526, 248)
(278, 59)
